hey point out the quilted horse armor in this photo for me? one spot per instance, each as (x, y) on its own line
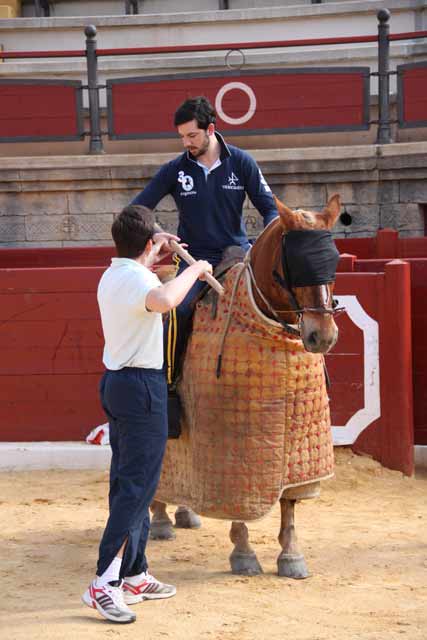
(260, 427)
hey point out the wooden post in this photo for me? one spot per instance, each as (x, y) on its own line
(396, 368)
(346, 263)
(387, 244)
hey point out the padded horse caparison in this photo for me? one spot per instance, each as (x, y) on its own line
(262, 426)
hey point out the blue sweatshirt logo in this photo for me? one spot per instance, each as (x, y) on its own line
(186, 181)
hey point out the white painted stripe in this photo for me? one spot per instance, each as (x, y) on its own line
(348, 433)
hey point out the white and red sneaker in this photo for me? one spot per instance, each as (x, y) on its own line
(145, 587)
(108, 601)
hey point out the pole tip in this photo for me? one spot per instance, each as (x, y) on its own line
(383, 15)
(90, 31)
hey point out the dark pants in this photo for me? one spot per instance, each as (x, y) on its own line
(177, 328)
(135, 401)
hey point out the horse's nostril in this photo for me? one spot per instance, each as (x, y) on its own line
(313, 338)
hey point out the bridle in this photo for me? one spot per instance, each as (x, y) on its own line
(294, 330)
(283, 281)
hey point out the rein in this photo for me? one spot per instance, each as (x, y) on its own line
(289, 328)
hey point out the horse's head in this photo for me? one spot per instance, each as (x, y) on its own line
(294, 262)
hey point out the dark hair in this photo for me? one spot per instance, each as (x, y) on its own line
(132, 229)
(199, 109)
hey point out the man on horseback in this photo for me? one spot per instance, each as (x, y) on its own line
(208, 182)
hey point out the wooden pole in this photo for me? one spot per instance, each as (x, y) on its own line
(190, 260)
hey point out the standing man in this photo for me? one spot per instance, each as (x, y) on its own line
(208, 182)
(134, 397)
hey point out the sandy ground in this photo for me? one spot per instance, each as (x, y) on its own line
(364, 539)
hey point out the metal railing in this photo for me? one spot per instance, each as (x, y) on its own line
(92, 53)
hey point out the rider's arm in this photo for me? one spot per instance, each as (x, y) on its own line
(258, 190)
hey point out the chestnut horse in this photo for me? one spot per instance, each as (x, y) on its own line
(291, 270)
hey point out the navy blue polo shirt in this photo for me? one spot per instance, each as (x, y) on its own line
(210, 203)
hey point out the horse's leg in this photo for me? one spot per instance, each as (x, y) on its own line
(290, 562)
(243, 560)
(161, 525)
(185, 518)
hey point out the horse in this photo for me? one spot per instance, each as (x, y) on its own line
(256, 426)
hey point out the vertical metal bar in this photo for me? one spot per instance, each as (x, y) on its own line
(41, 8)
(384, 131)
(223, 4)
(131, 7)
(95, 145)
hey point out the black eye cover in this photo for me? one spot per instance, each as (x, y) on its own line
(309, 258)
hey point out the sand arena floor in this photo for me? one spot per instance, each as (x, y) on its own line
(364, 539)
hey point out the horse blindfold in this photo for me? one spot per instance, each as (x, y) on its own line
(309, 258)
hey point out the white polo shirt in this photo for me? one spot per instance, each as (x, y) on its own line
(133, 336)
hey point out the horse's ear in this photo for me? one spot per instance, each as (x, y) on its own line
(287, 216)
(332, 210)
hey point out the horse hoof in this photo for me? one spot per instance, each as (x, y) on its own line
(187, 519)
(289, 566)
(162, 531)
(245, 564)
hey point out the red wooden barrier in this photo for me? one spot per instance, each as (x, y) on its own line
(386, 244)
(312, 99)
(56, 257)
(51, 345)
(371, 367)
(418, 269)
(375, 252)
(412, 94)
(40, 110)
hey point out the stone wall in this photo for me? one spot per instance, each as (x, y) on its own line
(71, 201)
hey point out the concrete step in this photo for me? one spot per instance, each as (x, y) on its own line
(27, 456)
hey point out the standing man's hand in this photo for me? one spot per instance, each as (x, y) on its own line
(160, 249)
(163, 235)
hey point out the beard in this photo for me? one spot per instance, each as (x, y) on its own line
(196, 152)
